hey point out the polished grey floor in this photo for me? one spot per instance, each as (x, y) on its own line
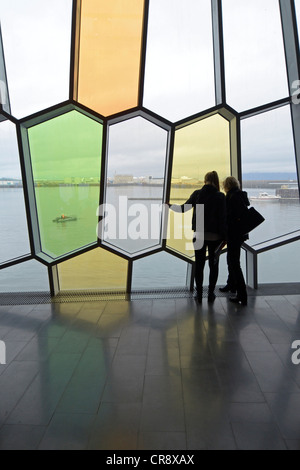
(156, 374)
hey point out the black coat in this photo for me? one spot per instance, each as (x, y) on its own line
(236, 204)
(214, 209)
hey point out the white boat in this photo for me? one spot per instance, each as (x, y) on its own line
(265, 197)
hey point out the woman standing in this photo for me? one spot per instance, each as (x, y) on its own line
(236, 204)
(214, 230)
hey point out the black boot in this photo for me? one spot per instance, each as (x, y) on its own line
(239, 300)
(211, 297)
(227, 288)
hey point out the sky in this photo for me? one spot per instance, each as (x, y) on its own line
(178, 77)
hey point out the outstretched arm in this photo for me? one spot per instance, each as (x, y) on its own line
(183, 207)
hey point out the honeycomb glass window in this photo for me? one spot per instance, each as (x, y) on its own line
(13, 227)
(255, 68)
(179, 73)
(65, 158)
(109, 51)
(269, 172)
(37, 38)
(136, 161)
(97, 270)
(199, 148)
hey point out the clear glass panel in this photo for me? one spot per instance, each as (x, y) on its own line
(4, 99)
(297, 6)
(36, 38)
(66, 157)
(179, 74)
(109, 54)
(30, 276)
(253, 45)
(95, 270)
(159, 271)
(135, 175)
(199, 148)
(223, 270)
(13, 228)
(280, 265)
(269, 170)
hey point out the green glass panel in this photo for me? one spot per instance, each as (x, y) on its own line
(66, 157)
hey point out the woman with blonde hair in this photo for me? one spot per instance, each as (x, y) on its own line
(214, 229)
(236, 203)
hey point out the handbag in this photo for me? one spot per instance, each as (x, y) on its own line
(249, 220)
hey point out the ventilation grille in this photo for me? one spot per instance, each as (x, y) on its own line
(32, 298)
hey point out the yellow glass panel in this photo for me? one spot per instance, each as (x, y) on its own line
(95, 270)
(198, 148)
(109, 54)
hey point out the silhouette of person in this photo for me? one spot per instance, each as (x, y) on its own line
(214, 230)
(236, 203)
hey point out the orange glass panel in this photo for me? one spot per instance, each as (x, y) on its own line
(199, 148)
(109, 54)
(95, 270)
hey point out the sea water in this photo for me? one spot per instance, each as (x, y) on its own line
(280, 218)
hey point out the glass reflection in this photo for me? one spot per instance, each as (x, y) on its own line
(179, 74)
(66, 156)
(253, 46)
(135, 183)
(200, 147)
(159, 271)
(280, 265)
(36, 37)
(95, 270)
(269, 172)
(13, 228)
(30, 276)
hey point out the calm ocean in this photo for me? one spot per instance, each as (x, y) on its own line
(281, 265)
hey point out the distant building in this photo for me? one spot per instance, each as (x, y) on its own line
(10, 183)
(123, 179)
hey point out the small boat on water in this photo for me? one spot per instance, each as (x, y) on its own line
(65, 218)
(262, 197)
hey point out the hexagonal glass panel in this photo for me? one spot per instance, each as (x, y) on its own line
(179, 73)
(199, 148)
(253, 46)
(36, 38)
(30, 276)
(13, 227)
(297, 6)
(136, 162)
(97, 269)
(279, 265)
(65, 159)
(4, 97)
(109, 51)
(159, 271)
(269, 172)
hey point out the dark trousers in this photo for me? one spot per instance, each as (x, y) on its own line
(200, 257)
(235, 279)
